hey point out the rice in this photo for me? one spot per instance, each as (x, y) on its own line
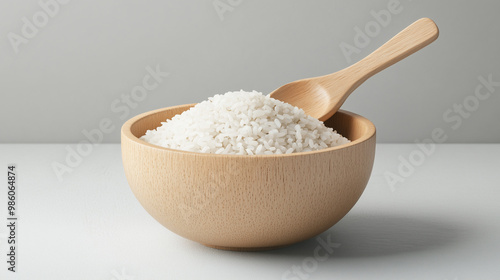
(244, 123)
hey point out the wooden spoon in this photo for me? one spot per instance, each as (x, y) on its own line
(321, 97)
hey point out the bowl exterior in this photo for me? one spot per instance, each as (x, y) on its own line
(247, 201)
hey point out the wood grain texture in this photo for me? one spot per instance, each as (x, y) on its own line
(321, 97)
(248, 202)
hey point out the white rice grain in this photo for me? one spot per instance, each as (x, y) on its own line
(245, 123)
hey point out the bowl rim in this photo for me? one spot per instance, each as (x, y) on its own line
(126, 132)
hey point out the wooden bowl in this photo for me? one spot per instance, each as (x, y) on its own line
(246, 202)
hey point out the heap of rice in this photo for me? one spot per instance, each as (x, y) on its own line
(244, 123)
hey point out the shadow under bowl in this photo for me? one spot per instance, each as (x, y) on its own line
(241, 202)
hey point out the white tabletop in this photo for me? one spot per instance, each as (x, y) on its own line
(442, 222)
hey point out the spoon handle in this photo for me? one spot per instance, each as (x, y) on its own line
(413, 38)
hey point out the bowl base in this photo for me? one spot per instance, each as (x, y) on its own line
(245, 249)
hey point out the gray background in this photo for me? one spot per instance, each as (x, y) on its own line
(64, 79)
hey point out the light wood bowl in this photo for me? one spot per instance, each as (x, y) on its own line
(248, 202)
